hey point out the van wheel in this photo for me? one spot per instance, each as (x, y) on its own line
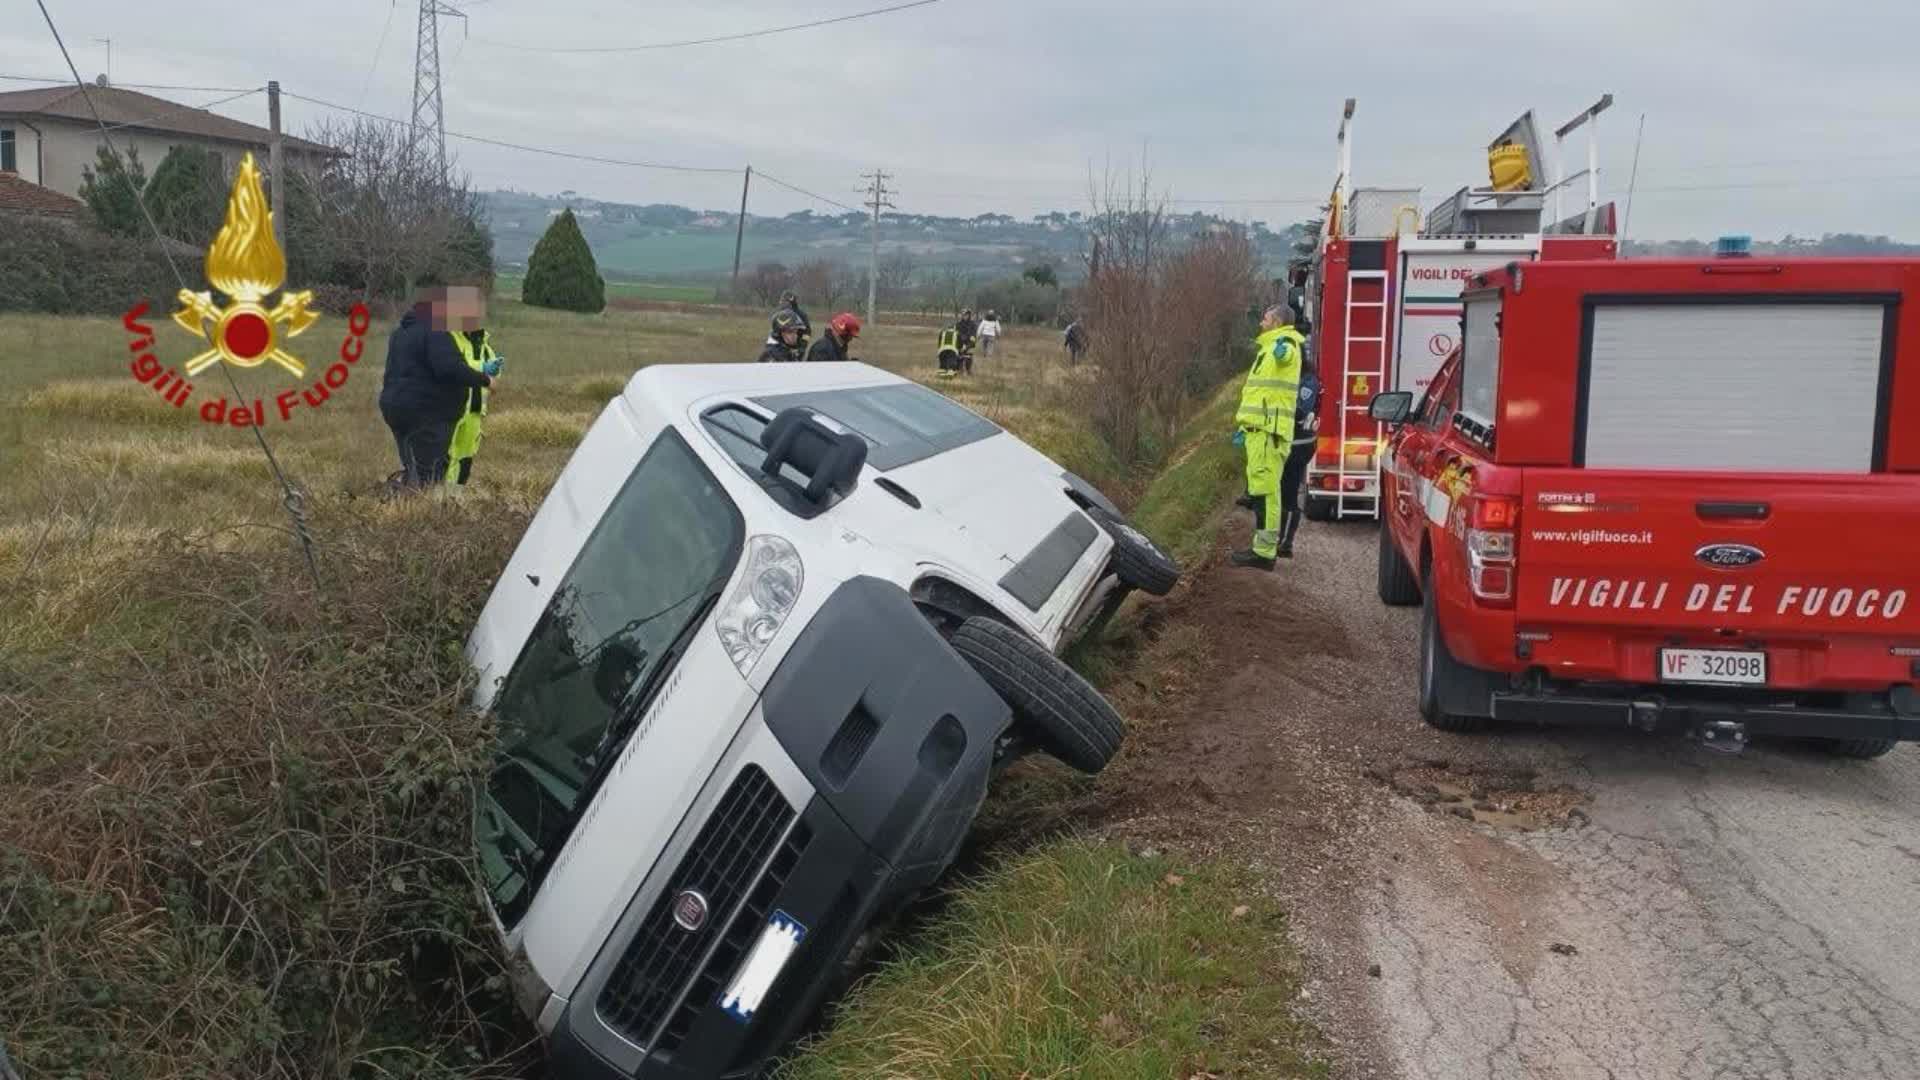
(1443, 680)
(1320, 509)
(1066, 715)
(1397, 585)
(1864, 749)
(1138, 561)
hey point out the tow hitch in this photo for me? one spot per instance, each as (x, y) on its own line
(1723, 736)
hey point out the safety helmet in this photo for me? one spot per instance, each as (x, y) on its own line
(846, 324)
(966, 311)
(785, 321)
(789, 298)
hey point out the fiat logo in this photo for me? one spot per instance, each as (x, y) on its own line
(689, 910)
(1729, 556)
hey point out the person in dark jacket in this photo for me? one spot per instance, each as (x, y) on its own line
(833, 344)
(790, 304)
(784, 348)
(969, 328)
(428, 380)
(1306, 439)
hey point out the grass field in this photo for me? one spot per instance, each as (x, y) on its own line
(508, 286)
(230, 809)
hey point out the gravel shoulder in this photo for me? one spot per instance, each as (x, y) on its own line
(1527, 903)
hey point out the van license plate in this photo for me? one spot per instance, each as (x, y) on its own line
(1721, 667)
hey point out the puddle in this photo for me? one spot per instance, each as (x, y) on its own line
(1504, 800)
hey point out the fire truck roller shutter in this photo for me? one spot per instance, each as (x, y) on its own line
(1776, 383)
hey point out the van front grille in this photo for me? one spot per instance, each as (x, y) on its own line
(727, 859)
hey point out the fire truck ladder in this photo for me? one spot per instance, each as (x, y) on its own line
(1361, 357)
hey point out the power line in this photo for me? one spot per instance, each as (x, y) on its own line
(145, 120)
(548, 151)
(707, 40)
(125, 85)
(366, 84)
(772, 179)
(290, 499)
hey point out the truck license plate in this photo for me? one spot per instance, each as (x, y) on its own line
(1718, 666)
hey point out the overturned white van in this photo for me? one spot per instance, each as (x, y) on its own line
(754, 663)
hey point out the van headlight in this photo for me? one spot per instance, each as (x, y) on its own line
(758, 607)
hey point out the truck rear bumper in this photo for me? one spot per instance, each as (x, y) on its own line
(1652, 712)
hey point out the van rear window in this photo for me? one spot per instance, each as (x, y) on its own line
(902, 424)
(1788, 385)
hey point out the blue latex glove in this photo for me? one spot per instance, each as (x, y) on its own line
(493, 366)
(1240, 437)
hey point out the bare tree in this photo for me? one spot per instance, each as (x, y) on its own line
(823, 282)
(896, 277)
(767, 281)
(380, 217)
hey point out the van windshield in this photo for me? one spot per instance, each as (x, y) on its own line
(639, 589)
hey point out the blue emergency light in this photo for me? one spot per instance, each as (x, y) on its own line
(1733, 247)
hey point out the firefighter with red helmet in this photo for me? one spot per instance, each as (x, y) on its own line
(832, 346)
(1263, 426)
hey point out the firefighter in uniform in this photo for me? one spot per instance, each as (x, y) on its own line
(1264, 427)
(476, 348)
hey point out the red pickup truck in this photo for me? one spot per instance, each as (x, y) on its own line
(1669, 495)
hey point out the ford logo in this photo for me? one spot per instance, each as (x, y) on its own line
(689, 910)
(1729, 556)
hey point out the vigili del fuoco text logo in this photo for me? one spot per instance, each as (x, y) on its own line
(246, 265)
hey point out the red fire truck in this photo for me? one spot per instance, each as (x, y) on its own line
(1383, 288)
(1668, 494)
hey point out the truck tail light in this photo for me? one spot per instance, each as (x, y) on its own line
(1491, 521)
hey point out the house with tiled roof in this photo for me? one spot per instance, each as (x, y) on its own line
(49, 136)
(21, 198)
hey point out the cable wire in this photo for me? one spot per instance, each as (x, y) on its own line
(548, 151)
(707, 40)
(145, 120)
(290, 499)
(124, 85)
(769, 177)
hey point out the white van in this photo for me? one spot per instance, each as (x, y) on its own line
(754, 662)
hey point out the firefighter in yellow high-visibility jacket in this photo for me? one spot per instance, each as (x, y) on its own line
(476, 348)
(1264, 427)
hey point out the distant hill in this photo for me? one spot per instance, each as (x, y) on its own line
(1829, 244)
(663, 241)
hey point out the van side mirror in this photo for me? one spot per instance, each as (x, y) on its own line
(1391, 407)
(830, 460)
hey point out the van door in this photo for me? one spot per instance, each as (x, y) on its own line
(1728, 477)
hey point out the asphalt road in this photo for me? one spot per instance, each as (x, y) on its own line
(1698, 916)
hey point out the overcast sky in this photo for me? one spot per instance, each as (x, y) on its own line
(1760, 118)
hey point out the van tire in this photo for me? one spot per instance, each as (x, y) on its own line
(1444, 681)
(1863, 749)
(1320, 509)
(1398, 586)
(1065, 714)
(1137, 560)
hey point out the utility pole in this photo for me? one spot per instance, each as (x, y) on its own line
(740, 227)
(275, 156)
(876, 191)
(429, 129)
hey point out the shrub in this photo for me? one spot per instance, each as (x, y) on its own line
(62, 268)
(235, 812)
(187, 195)
(561, 272)
(111, 189)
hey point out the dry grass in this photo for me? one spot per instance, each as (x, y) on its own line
(232, 807)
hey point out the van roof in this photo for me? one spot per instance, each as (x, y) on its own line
(678, 386)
